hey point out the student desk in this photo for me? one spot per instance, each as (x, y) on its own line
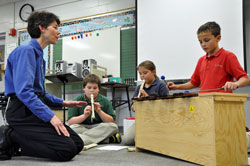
(113, 86)
(208, 129)
(3, 103)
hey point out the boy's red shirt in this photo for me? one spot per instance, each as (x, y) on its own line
(214, 71)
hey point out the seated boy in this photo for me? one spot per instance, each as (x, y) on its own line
(102, 127)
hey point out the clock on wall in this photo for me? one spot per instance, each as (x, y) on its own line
(25, 11)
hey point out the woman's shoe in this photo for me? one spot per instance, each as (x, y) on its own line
(5, 155)
(5, 142)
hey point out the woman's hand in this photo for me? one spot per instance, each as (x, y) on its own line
(78, 104)
(59, 126)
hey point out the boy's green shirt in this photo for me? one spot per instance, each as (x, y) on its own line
(105, 103)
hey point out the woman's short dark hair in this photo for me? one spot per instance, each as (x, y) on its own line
(42, 18)
(92, 78)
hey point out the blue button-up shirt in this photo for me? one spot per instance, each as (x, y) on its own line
(25, 76)
(157, 88)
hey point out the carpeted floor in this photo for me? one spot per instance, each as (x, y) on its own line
(95, 157)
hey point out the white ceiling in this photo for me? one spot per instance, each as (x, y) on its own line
(5, 2)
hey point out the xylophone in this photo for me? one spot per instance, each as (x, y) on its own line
(174, 95)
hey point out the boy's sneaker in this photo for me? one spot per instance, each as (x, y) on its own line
(116, 138)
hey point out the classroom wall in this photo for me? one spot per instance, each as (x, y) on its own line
(171, 33)
(68, 9)
(246, 7)
(65, 9)
(246, 10)
(246, 90)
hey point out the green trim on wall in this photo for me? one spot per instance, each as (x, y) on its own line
(73, 87)
(57, 53)
(128, 55)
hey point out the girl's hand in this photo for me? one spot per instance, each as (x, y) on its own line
(144, 93)
(133, 108)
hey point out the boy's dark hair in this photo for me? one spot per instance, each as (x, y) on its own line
(92, 78)
(42, 18)
(213, 27)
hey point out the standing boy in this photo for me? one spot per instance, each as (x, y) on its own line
(217, 69)
(102, 127)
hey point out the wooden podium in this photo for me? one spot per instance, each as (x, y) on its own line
(208, 129)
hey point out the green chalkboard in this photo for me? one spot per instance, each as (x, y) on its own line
(128, 56)
(57, 53)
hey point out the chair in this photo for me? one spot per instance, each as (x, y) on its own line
(3, 103)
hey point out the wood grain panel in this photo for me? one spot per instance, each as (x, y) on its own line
(197, 129)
